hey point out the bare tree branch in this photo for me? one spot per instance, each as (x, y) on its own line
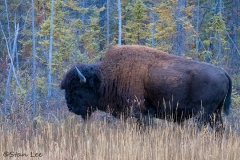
(13, 49)
(232, 42)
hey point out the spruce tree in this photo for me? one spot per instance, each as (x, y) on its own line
(136, 30)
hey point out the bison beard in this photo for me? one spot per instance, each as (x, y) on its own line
(151, 82)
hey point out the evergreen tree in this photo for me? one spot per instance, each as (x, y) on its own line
(137, 30)
(165, 25)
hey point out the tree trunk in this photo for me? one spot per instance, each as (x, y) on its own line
(197, 30)
(179, 28)
(8, 26)
(101, 3)
(10, 54)
(50, 52)
(153, 27)
(219, 10)
(108, 24)
(119, 24)
(233, 35)
(34, 62)
(82, 49)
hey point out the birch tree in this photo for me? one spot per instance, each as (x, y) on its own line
(219, 11)
(197, 29)
(8, 25)
(108, 24)
(34, 78)
(11, 50)
(11, 69)
(102, 14)
(119, 24)
(179, 27)
(50, 51)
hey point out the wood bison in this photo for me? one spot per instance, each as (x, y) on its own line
(148, 81)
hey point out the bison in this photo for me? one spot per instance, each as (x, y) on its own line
(143, 80)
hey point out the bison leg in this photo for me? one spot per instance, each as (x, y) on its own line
(216, 121)
(202, 120)
(143, 118)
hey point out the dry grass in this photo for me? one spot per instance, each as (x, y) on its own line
(108, 139)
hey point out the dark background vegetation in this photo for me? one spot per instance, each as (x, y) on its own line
(38, 47)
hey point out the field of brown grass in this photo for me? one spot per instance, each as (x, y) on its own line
(59, 135)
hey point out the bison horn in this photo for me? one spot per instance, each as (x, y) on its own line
(81, 76)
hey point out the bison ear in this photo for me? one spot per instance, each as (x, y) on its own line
(81, 76)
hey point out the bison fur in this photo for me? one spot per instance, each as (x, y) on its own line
(152, 82)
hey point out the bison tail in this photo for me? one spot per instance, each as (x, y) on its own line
(228, 100)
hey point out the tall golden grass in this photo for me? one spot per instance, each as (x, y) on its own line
(70, 138)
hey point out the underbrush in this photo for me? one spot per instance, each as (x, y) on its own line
(60, 135)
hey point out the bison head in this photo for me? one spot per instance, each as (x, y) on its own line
(81, 84)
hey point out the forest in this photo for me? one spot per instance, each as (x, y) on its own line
(42, 39)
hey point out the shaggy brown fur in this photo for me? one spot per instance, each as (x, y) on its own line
(163, 84)
(146, 74)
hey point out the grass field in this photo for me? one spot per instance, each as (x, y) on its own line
(64, 136)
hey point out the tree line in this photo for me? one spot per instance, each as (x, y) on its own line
(41, 39)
